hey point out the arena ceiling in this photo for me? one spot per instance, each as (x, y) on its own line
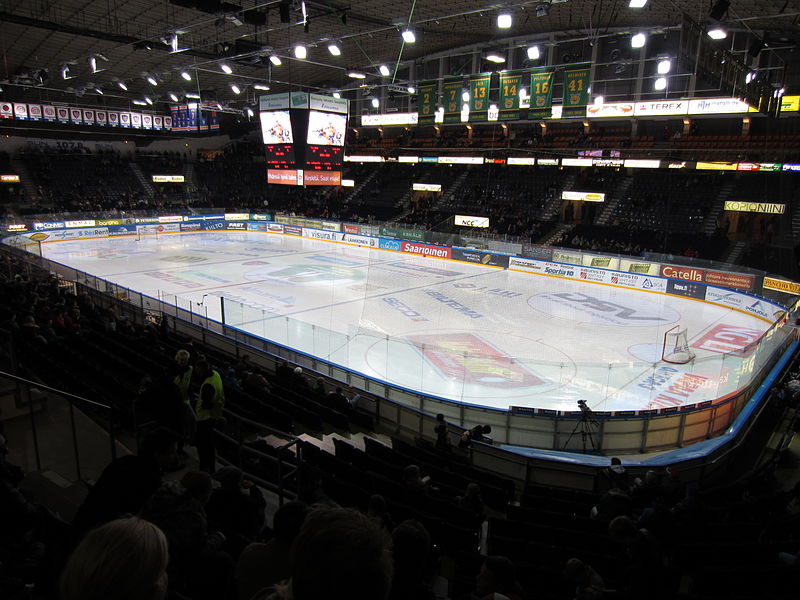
(133, 40)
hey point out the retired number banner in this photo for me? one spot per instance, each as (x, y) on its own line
(576, 92)
(479, 96)
(426, 101)
(451, 94)
(510, 84)
(541, 94)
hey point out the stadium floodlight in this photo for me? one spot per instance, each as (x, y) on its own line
(495, 58)
(226, 69)
(384, 70)
(411, 89)
(122, 86)
(261, 86)
(334, 49)
(534, 53)
(149, 100)
(504, 20)
(300, 52)
(236, 89)
(638, 40)
(664, 66)
(138, 102)
(356, 75)
(637, 3)
(173, 96)
(375, 103)
(275, 60)
(151, 80)
(661, 83)
(717, 33)
(408, 36)
(186, 76)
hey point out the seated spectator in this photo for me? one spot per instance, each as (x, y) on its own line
(472, 500)
(476, 434)
(125, 558)
(497, 580)
(643, 568)
(339, 554)
(588, 584)
(319, 392)
(442, 441)
(413, 562)
(263, 565)
(613, 503)
(614, 476)
(127, 483)
(337, 401)
(236, 509)
(377, 511)
(413, 479)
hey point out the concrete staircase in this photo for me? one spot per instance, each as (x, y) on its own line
(734, 253)
(360, 187)
(21, 169)
(453, 189)
(556, 233)
(725, 192)
(551, 207)
(147, 186)
(613, 200)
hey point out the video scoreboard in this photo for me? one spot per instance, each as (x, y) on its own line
(303, 138)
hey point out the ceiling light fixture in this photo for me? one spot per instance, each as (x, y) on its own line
(261, 86)
(122, 86)
(638, 40)
(408, 35)
(356, 75)
(637, 3)
(140, 102)
(151, 80)
(337, 95)
(664, 66)
(65, 72)
(236, 89)
(504, 20)
(465, 96)
(375, 103)
(99, 91)
(300, 52)
(226, 69)
(173, 97)
(717, 33)
(186, 76)
(249, 112)
(661, 83)
(411, 89)
(533, 53)
(334, 49)
(495, 58)
(275, 60)
(192, 95)
(148, 100)
(384, 70)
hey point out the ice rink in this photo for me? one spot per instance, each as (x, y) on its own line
(459, 331)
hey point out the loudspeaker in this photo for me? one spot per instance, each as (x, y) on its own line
(719, 9)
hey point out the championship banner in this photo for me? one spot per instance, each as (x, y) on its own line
(76, 116)
(35, 112)
(510, 83)
(21, 111)
(101, 117)
(136, 120)
(576, 93)
(113, 118)
(479, 96)
(62, 112)
(158, 122)
(541, 94)
(168, 123)
(125, 119)
(147, 121)
(88, 117)
(6, 110)
(451, 94)
(48, 112)
(426, 102)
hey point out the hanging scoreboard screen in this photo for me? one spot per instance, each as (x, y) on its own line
(307, 138)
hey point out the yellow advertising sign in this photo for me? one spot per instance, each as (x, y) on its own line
(782, 285)
(756, 207)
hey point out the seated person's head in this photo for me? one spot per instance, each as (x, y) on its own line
(341, 554)
(125, 559)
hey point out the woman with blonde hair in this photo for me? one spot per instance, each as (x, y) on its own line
(125, 559)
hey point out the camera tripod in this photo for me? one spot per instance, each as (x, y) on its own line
(586, 424)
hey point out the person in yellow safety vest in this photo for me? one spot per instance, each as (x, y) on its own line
(208, 411)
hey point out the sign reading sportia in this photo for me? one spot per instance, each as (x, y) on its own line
(756, 207)
(583, 196)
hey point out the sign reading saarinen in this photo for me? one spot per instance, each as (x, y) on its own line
(756, 207)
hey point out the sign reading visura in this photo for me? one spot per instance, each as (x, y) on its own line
(756, 207)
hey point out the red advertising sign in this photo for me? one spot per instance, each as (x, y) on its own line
(426, 250)
(282, 177)
(466, 357)
(729, 339)
(354, 229)
(322, 177)
(685, 273)
(739, 281)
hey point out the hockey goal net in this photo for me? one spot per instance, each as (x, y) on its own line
(676, 346)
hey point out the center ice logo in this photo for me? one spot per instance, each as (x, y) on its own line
(315, 275)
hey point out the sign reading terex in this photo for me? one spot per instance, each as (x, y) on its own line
(426, 250)
(720, 278)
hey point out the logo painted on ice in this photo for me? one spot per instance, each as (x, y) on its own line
(591, 309)
(314, 275)
(405, 310)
